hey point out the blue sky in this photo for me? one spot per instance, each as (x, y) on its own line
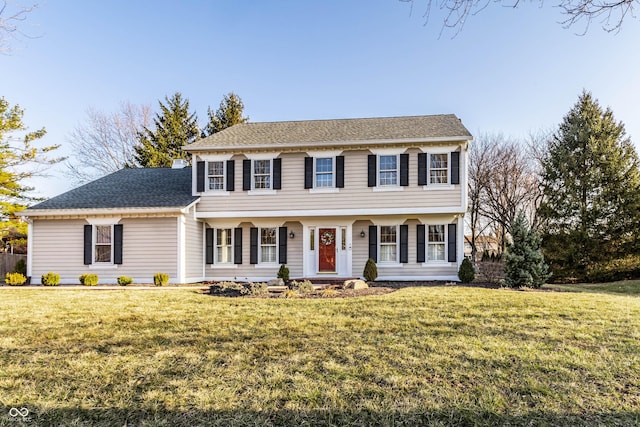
(509, 70)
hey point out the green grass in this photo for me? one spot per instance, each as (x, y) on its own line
(624, 287)
(418, 356)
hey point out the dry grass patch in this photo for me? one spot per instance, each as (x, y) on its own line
(439, 355)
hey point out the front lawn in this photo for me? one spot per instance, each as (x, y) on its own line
(624, 287)
(437, 356)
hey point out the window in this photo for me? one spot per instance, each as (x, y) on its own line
(268, 245)
(343, 232)
(436, 243)
(262, 174)
(312, 239)
(388, 244)
(103, 243)
(388, 174)
(324, 172)
(438, 168)
(216, 175)
(224, 246)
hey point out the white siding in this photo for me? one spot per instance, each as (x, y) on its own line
(194, 248)
(354, 195)
(149, 247)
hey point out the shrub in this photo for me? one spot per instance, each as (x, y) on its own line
(283, 273)
(50, 279)
(254, 289)
(289, 293)
(88, 279)
(524, 264)
(21, 267)
(160, 279)
(15, 279)
(124, 280)
(370, 271)
(303, 287)
(466, 273)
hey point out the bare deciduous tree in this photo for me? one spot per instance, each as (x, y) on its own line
(104, 143)
(610, 13)
(11, 17)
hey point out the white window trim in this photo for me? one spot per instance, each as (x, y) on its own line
(395, 186)
(277, 246)
(94, 244)
(438, 186)
(395, 263)
(431, 262)
(255, 190)
(215, 248)
(333, 173)
(218, 192)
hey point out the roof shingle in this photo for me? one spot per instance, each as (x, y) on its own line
(333, 131)
(128, 188)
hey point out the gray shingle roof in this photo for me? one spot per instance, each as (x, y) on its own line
(320, 132)
(128, 188)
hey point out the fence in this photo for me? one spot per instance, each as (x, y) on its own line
(8, 263)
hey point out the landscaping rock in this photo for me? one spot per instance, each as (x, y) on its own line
(355, 284)
(275, 282)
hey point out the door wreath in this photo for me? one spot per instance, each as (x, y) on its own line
(327, 238)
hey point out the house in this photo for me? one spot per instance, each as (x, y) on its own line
(320, 196)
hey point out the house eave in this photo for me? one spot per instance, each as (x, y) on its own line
(81, 213)
(365, 212)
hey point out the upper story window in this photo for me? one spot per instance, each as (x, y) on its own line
(388, 173)
(438, 168)
(103, 245)
(388, 243)
(324, 173)
(216, 175)
(268, 245)
(436, 243)
(262, 174)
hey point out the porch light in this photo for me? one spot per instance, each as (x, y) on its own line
(292, 235)
(362, 234)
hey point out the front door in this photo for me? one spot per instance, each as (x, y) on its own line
(327, 250)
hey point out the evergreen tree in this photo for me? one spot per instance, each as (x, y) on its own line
(524, 264)
(591, 179)
(174, 127)
(228, 114)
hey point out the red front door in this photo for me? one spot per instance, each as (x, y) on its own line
(327, 250)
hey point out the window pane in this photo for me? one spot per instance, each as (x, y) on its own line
(223, 236)
(388, 174)
(268, 254)
(388, 178)
(103, 253)
(224, 254)
(262, 167)
(387, 234)
(439, 161)
(436, 252)
(438, 168)
(312, 239)
(436, 233)
(263, 182)
(103, 234)
(388, 253)
(268, 236)
(216, 183)
(216, 168)
(388, 162)
(324, 165)
(438, 176)
(324, 180)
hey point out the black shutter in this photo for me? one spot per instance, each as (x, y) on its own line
(308, 172)
(422, 169)
(404, 243)
(209, 245)
(237, 245)
(371, 170)
(88, 237)
(277, 174)
(246, 174)
(231, 175)
(117, 244)
(373, 242)
(200, 176)
(451, 240)
(282, 245)
(404, 170)
(253, 245)
(339, 171)
(421, 243)
(455, 167)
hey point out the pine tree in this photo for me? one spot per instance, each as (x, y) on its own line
(174, 127)
(228, 114)
(524, 264)
(591, 178)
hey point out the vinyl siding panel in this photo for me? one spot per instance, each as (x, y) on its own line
(193, 246)
(149, 247)
(354, 195)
